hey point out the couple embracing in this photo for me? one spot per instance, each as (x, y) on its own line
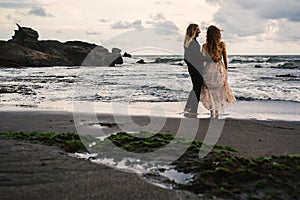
(208, 72)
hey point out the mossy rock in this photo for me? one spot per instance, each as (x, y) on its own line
(70, 142)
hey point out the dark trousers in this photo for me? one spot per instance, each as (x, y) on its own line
(194, 96)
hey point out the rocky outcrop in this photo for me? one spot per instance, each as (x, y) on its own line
(24, 34)
(24, 49)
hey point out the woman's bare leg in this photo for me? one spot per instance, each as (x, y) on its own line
(216, 114)
(212, 114)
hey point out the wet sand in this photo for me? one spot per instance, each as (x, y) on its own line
(34, 171)
(253, 138)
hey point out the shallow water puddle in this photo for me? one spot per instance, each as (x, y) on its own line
(156, 173)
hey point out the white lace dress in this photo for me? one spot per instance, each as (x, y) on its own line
(216, 93)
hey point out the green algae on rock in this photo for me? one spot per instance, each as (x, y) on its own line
(69, 142)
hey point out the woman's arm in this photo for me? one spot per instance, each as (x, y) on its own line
(224, 54)
(203, 51)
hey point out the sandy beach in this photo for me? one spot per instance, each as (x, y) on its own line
(34, 171)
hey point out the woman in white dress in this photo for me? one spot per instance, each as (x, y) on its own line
(216, 94)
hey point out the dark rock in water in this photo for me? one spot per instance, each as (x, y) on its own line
(141, 61)
(258, 66)
(167, 60)
(127, 55)
(24, 49)
(286, 76)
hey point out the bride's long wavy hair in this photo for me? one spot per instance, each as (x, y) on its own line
(213, 42)
(190, 34)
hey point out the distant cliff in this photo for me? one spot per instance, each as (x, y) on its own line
(24, 49)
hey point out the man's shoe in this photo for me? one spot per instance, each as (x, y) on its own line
(190, 115)
(187, 110)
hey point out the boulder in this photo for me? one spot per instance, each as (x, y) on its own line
(141, 61)
(127, 55)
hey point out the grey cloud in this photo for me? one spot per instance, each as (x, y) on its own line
(16, 4)
(288, 9)
(137, 24)
(271, 9)
(39, 11)
(121, 25)
(127, 25)
(214, 2)
(158, 22)
(251, 18)
(167, 25)
(239, 22)
(162, 25)
(288, 31)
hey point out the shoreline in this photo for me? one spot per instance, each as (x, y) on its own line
(252, 138)
(249, 110)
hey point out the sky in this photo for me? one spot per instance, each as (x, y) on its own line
(249, 27)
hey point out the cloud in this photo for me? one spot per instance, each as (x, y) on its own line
(287, 31)
(166, 27)
(157, 22)
(121, 25)
(288, 9)
(39, 11)
(239, 22)
(162, 25)
(137, 24)
(257, 17)
(214, 2)
(16, 4)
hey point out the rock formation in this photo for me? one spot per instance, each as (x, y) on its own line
(24, 49)
(141, 61)
(24, 34)
(127, 55)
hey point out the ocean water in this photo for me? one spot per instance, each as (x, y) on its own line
(161, 79)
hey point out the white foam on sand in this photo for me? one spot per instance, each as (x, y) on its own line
(261, 110)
